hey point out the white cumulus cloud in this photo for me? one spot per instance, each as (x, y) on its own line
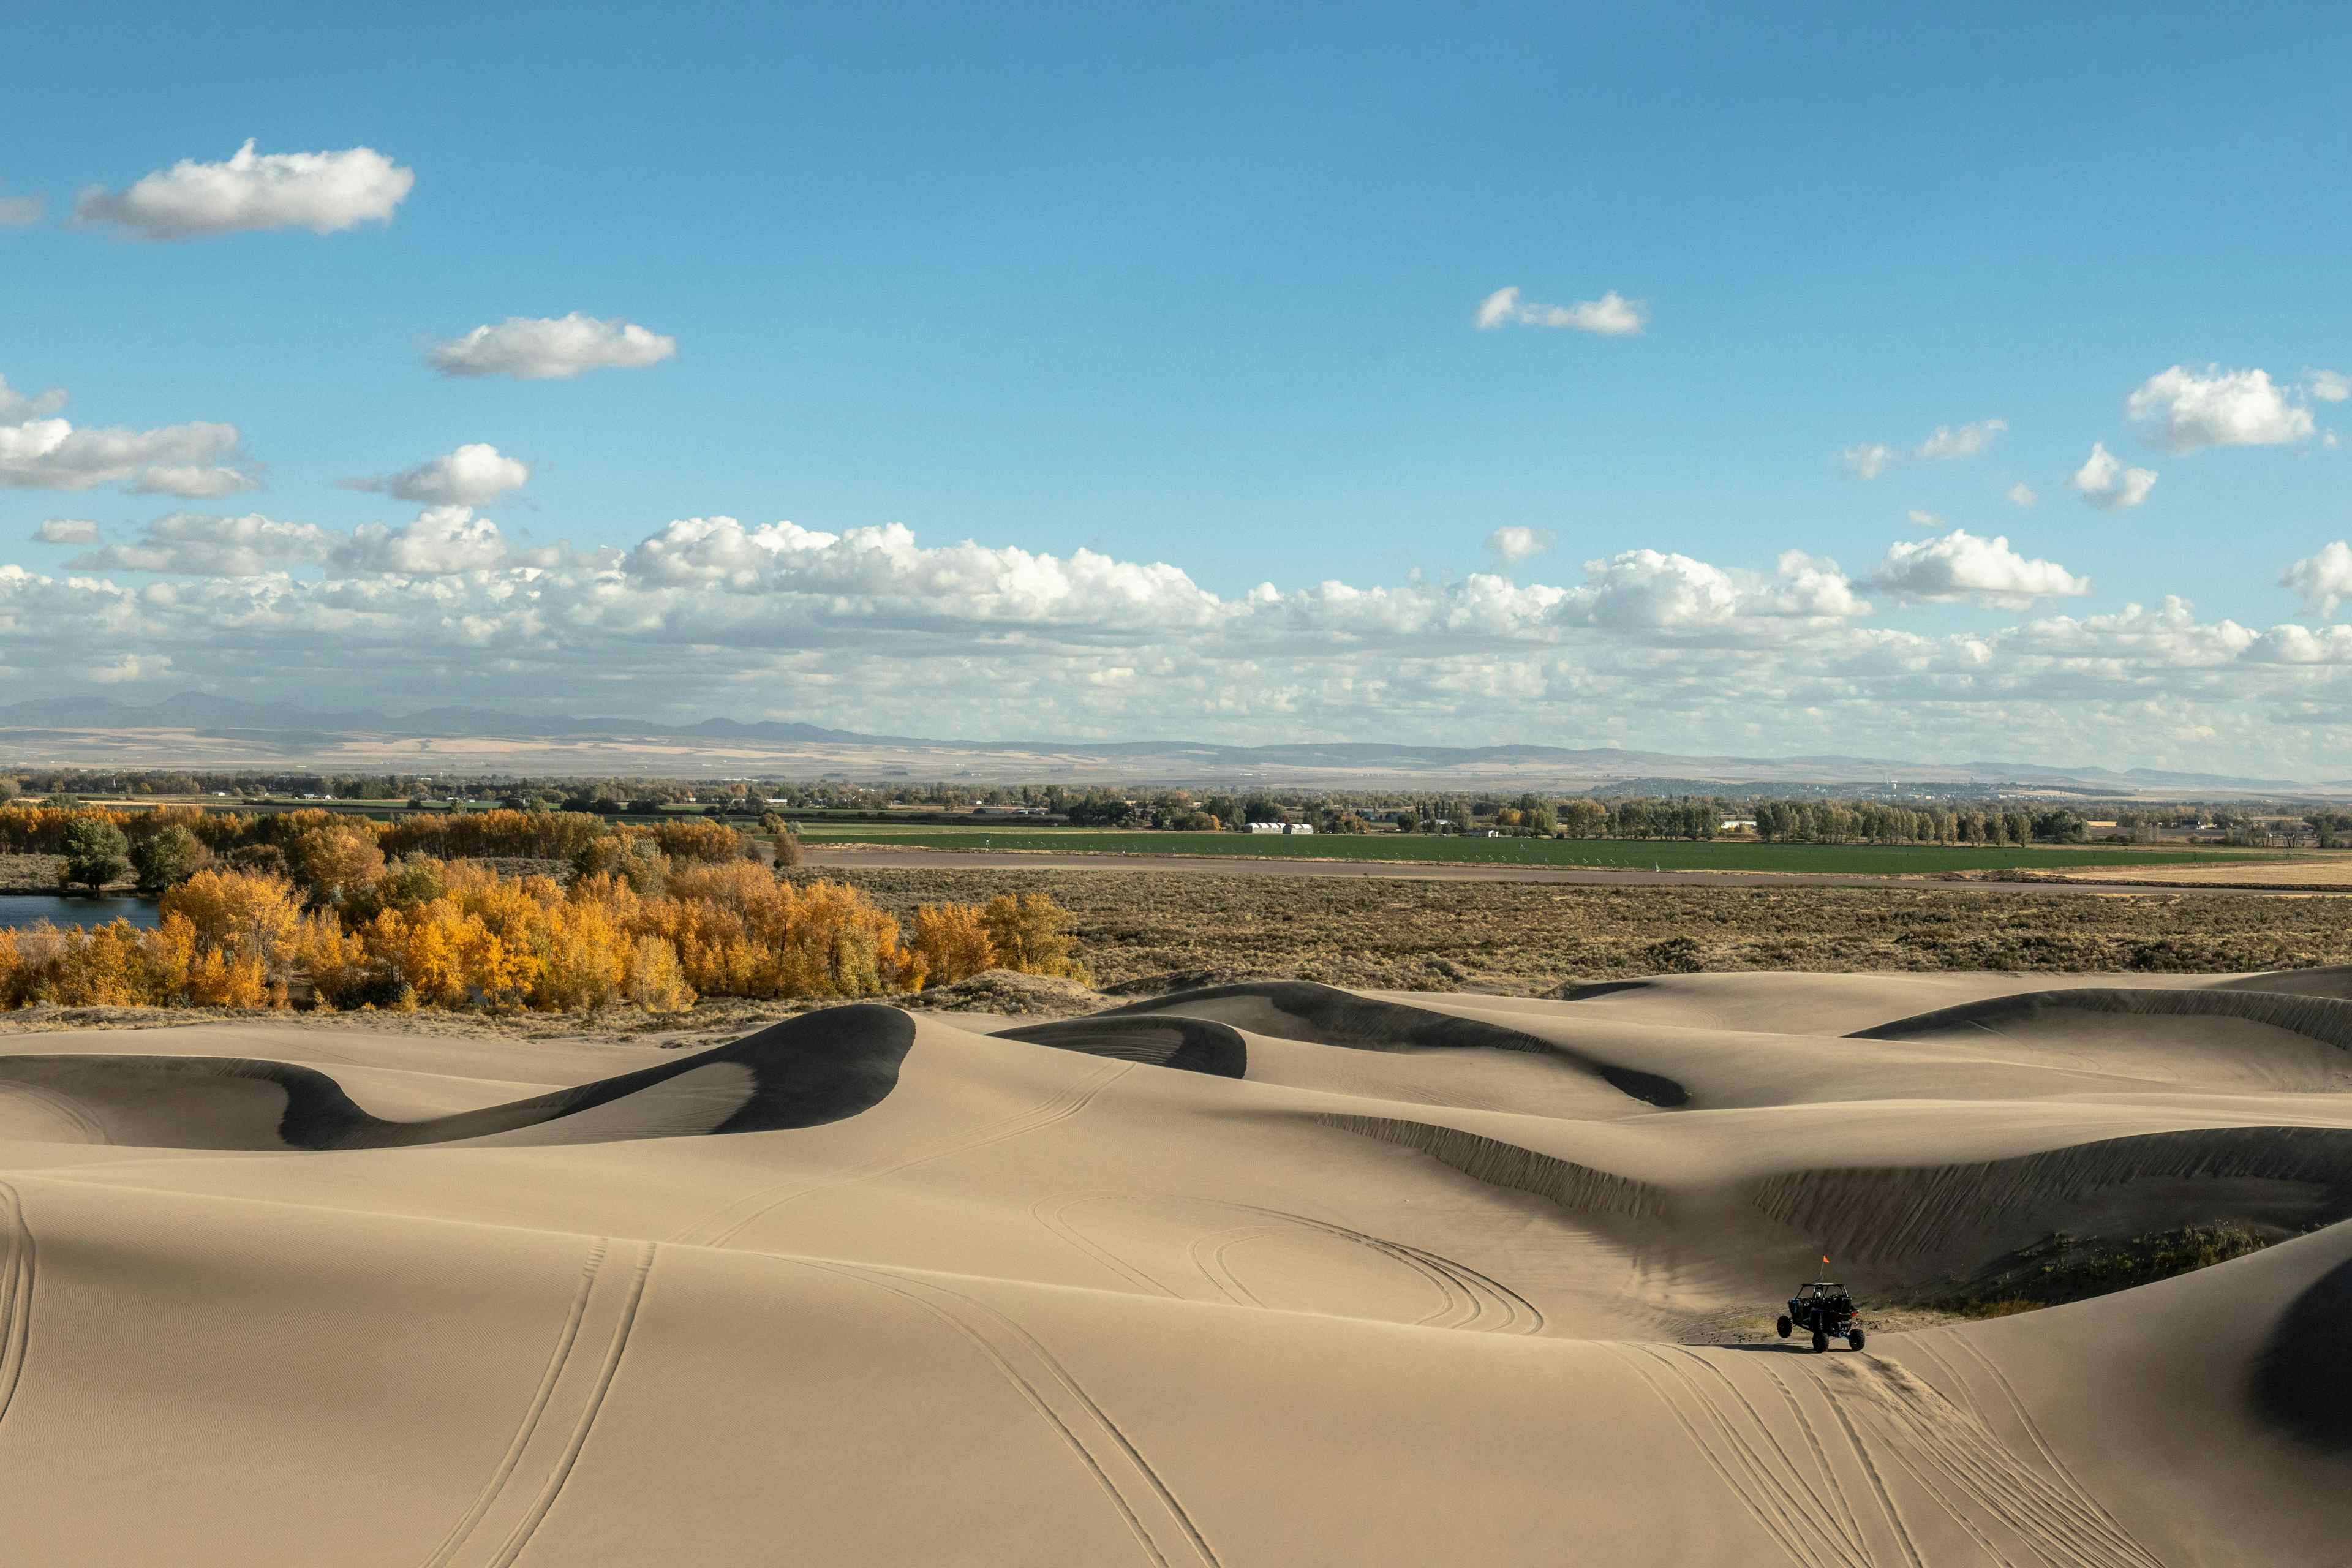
(1654, 590)
(2020, 494)
(1918, 518)
(551, 348)
(873, 628)
(2182, 411)
(39, 450)
(441, 541)
(20, 212)
(205, 545)
(66, 531)
(17, 405)
(1963, 565)
(130, 667)
(175, 460)
(2107, 483)
(1951, 441)
(1514, 543)
(1867, 462)
(2327, 386)
(194, 481)
(475, 474)
(2324, 580)
(1613, 315)
(323, 192)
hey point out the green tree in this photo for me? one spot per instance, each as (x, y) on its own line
(2060, 826)
(167, 857)
(1584, 817)
(96, 853)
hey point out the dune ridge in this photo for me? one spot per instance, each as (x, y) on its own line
(1887, 1213)
(2322, 1017)
(1477, 1278)
(794, 1074)
(1490, 1160)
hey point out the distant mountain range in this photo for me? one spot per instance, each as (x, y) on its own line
(197, 710)
(234, 732)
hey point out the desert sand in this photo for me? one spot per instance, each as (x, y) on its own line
(1268, 1274)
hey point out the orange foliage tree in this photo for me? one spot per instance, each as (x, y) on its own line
(427, 933)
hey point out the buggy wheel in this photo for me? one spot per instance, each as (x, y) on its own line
(1820, 1341)
(1786, 1327)
(1854, 1339)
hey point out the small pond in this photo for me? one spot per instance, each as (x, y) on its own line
(20, 910)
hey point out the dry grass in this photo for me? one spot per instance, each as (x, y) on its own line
(2322, 871)
(1145, 930)
(32, 873)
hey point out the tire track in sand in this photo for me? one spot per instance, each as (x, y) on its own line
(1791, 1496)
(604, 1304)
(1482, 1294)
(2064, 1474)
(1837, 1494)
(68, 1108)
(1150, 1511)
(1470, 1300)
(1772, 1522)
(15, 1295)
(564, 1340)
(1984, 1485)
(721, 1227)
(1219, 1273)
(1826, 1508)
(1053, 1213)
(1894, 1520)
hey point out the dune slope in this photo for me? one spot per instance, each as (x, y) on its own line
(1265, 1274)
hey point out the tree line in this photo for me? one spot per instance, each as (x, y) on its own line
(422, 932)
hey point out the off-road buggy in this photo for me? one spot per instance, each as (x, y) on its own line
(1825, 1309)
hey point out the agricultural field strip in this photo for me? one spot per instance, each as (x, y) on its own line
(1668, 855)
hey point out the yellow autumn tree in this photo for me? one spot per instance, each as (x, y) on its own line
(334, 960)
(1028, 933)
(335, 863)
(244, 914)
(953, 942)
(461, 935)
(655, 981)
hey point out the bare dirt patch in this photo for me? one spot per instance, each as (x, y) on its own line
(2312, 872)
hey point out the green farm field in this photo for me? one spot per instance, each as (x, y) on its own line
(1667, 855)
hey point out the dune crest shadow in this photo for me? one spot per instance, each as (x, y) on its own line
(803, 1072)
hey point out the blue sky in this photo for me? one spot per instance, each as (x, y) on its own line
(1201, 287)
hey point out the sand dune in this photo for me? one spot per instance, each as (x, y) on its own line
(1262, 1274)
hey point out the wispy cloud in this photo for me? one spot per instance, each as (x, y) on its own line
(1611, 316)
(1947, 443)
